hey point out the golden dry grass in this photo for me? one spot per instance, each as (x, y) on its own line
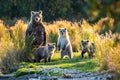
(107, 45)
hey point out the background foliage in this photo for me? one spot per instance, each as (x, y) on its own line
(92, 10)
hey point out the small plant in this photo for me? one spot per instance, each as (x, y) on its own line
(9, 62)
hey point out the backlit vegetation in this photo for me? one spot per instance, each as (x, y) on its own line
(13, 50)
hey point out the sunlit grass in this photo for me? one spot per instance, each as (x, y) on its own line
(107, 44)
(77, 63)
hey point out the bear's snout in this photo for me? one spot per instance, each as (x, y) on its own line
(52, 49)
(37, 19)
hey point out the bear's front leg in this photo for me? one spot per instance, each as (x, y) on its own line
(61, 54)
(37, 58)
(44, 43)
(90, 54)
(58, 47)
(49, 59)
(70, 54)
(82, 54)
(45, 60)
(64, 47)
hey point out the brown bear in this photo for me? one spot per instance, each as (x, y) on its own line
(36, 29)
(64, 44)
(44, 52)
(88, 47)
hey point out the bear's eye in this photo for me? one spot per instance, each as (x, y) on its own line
(52, 47)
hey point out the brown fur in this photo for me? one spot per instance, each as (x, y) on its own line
(87, 47)
(36, 29)
(44, 52)
(64, 44)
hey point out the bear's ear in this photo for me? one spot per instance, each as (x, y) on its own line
(40, 12)
(65, 28)
(48, 44)
(32, 12)
(54, 44)
(81, 40)
(59, 29)
(87, 40)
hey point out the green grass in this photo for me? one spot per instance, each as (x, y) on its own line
(77, 63)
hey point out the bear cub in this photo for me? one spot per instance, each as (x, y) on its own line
(64, 44)
(36, 29)
(44, 52)
(88, 47)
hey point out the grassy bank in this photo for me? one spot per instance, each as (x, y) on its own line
(77, 63)
(14, 52)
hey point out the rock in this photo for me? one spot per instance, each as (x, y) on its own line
(68, 74)
(34, 79)
(6, 75)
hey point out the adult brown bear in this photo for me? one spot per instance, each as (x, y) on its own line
(36, 29)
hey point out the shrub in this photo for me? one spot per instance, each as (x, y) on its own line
(107, 51)
(12, 46)
(9, 62)
(113, 59)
